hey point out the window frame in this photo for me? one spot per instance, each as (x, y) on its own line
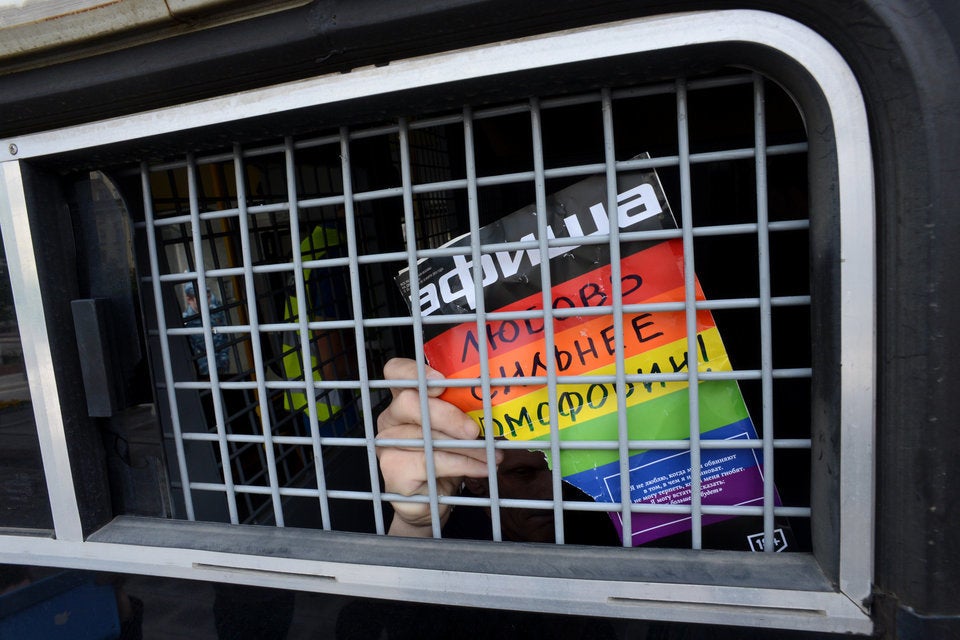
(174, 548)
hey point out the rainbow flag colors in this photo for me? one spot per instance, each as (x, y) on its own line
(585, 343)
(585, 346)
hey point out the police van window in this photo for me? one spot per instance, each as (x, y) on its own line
(280, 277)
(24, 502)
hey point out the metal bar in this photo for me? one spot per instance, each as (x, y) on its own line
(546, 287)
(164, 341)
(603, 310)
(548, 505)
(783, 443)
(664, 234)
(355, 289)
(303, 328)
(254, 320)
(602, 379)
(204, 304)
(413, 271)
(556, 172)
(340, 441)
(481, 322)
(689, 280)
(623, 428)
(766, 329)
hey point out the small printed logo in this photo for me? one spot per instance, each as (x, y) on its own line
(779, 541)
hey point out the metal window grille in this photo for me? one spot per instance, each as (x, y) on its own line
(228, 225)
(233, 221)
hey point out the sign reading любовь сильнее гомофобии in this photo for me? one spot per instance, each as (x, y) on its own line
(585, 345)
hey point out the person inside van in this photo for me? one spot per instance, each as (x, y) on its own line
(521, 474)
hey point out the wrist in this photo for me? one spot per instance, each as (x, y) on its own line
(421, 527)
(400, 527)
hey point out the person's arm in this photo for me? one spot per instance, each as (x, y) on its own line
(404, 469)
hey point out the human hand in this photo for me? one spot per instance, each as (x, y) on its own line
(404, 468)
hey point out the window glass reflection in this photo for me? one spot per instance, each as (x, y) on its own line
(23, 489)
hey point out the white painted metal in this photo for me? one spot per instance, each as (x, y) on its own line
(858, 359)
(705, 604)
